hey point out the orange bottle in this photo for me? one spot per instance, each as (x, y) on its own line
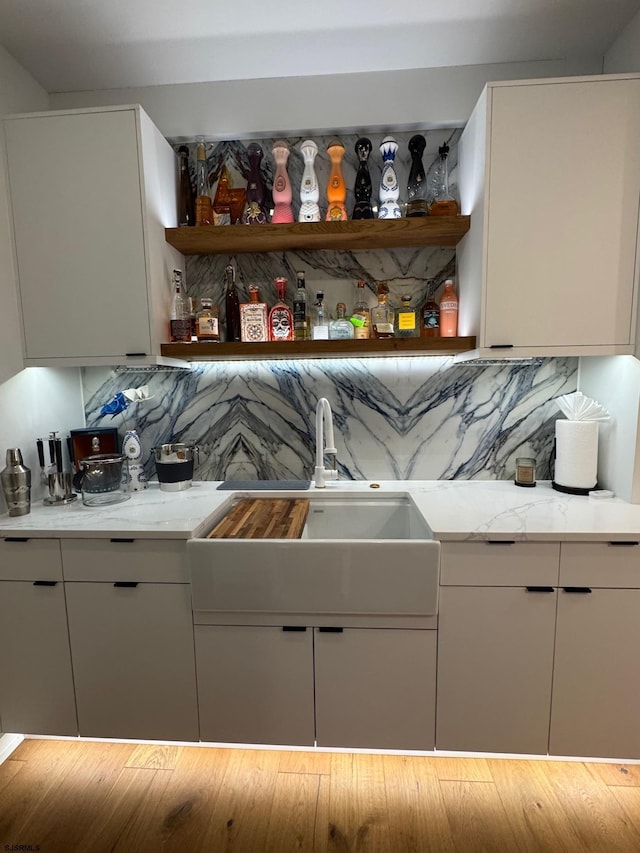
(448, 311)
(336, 188)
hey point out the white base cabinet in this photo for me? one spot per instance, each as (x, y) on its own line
(374, 688)
(133, 659)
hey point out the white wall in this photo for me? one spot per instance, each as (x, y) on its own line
(32, 402)
(624, 53)
(237, 109)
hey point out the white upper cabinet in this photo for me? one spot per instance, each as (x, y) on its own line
(91, 194)
(550, 172)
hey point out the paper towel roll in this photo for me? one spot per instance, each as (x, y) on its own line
(576, 454)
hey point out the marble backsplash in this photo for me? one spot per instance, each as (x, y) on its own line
(395, 418)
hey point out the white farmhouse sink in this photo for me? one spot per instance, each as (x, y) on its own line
(357, 556)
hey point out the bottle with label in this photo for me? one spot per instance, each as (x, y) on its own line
(448, 311)
(186, 214)
(253, 318)
(207, 326)
(319, 319)
(341, 329)
(407, 319)
(231, 304)
(382, 315)
(180, 322)
(430, 315)
(203, 208)
(443, 203)
(300, 310)
(281, 316)
(361, 316)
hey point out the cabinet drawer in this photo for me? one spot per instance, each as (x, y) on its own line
(600, 564)
(30, 559)
(142, 560)
(499, 563)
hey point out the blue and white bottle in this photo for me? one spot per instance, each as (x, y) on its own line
(389, 185)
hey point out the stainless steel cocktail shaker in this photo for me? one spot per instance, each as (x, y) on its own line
(16, 483)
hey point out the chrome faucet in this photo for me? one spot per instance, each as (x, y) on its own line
(322, 474)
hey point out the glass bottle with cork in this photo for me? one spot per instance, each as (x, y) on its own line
(361, 316)
(407, 319)
(203, 208)
(179, 319)
(382, 317)
(281, 316)
(232, 305)
(253, 318)
(430, 314)
(443, 203)
(448, 311)
(207, 325)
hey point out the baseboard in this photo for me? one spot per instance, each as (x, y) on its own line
(8, 743)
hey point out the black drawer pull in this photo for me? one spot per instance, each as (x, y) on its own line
(580, 589)
(45, 583)
(331, 630)
(122, 540)
(539, 589)
(293, 628)
(624, 544)
(501, 346)
(126, 584)
(135, 354)
(16, 539)
(501, 542)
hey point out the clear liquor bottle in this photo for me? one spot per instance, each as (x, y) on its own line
(203, 208)
(207, 326)
(253, 317)
(281, 316)
(319, 319)
(443, 203)
(407, 320)
(179, 320)
(361, 316)
(341, 329)
(232, 305)
(382, 314)
(300, 310)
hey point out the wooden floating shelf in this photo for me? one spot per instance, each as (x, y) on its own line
(363, 234)
(318, 349)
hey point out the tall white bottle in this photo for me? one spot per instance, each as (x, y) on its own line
(389, 185)
(309, 189)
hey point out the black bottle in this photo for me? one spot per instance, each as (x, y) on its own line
(232, 305)
(186, 214)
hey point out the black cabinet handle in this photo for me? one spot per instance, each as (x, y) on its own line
(293, 628)
(539, 589)
(135, 354)
(127, 584)
(624, 544)
(45, 583)
(501, 542)
(501, 346)
(579, 589)
(16, 539)
(331, 630)
(122, 540)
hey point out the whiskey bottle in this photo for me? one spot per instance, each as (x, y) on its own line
(382, 315)
(361, 316)
(407, 320)
(186, 215)
(253, 318)
(232, 304)
(448, 311)
(319, 319)
(341, 329)
(179, 322)
(204, 210)
(430, 315)
(300, 310)
(207, 326)
(280, 316)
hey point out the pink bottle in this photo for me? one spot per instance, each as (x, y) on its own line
(282, 194)
(448, 311)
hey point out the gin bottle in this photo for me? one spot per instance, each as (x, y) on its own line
(382, 315)
(407, 320)
(280, 316)
(300, 310)
(319, 319)
(341, 329)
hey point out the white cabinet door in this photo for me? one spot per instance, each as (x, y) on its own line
(86, 236)
(255, 684)
(596, 694)
(375, 688)
(495, 661)
(559, 216)
(37, 695)
(133, 659)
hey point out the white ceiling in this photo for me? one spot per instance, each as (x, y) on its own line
(73, 45)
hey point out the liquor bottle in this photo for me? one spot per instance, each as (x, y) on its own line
(336, 187)
(341, 329)
(389, 186)
(443, 204)
(229, 201)
(361, 317)
(407, 319)
(282, 194)
(300, 311)
(186, 213)
(207, 326)
(281, 316)
(362, 187)
(204, 210)
(191, 305)
(448, 311)
(255, 212)
(319, 319)
(253, 317)
(309, 189)
(382, 314)
(417, 185)
(232, 304)
(180, 323)
(430, 315)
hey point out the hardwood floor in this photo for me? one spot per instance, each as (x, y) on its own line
(72, 797)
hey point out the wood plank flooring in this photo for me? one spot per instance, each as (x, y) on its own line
(72, 797)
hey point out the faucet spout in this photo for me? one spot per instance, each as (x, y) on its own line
(324, 422)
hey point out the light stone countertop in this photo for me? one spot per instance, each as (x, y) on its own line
(455, 510)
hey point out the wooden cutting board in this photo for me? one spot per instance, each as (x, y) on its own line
(263, 518)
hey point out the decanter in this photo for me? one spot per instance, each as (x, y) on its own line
(309, 189)
(389, 186)
(336, 188)
(282, 211)
(443, 203)
(417, 185)
(362, 189)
